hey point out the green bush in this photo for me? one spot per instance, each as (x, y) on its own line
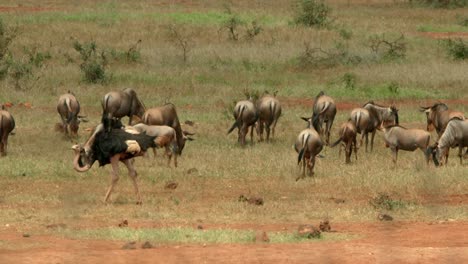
(457, 49)
(442, 3)
(93, 63)
(312, 13)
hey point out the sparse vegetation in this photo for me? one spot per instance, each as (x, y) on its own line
(312, 13)
(457, 49)
(442, 3)
(94, 62)
(388, 49)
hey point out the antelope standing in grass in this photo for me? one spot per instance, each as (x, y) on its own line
(269, 111)
(245, 115)
(369, 117)
(308, 145)
(400, 138)
(348, 138)
(455, 135)
(438, 116)
(7, 124)
(324, 111)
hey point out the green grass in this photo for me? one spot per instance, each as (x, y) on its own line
(190, 235)
(443, 28)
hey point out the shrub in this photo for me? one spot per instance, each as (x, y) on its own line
(312, 13)
(349, 80)
(253, 30)
(231, 24)
(132, 55)
(93, 63)
(388, 49)
(457, 49)
(180, 36)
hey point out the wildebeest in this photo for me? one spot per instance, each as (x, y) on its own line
(308, 145)
(109, 145)
(166, 137)
(369, 117)
(245, 115)
(166, 115)
(438, 116)
(269, 111)
(117, 104)
(348, 137)
(455, 135)
(68, 108)
(7, 124)
(324, 111)
(400, 138)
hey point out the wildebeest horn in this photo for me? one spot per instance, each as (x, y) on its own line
(305, 118)
(423, 109)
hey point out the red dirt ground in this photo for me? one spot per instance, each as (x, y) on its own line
(382, 242)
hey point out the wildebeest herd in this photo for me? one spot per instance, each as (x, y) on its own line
(111, 142)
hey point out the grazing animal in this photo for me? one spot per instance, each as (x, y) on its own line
(117, 104)
(166, 115)
(368, 118)
(166, 137)
(245, 114)
(68, 108)
(269, 111)
(400, 138)
(109, 145)
(324, 111)
(308, 145)
(7, 124)
(348, 138)
(455, 135)
(438, 116)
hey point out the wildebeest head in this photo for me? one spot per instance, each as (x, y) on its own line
(433, 152)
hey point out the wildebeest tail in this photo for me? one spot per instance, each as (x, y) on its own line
(357, 120)
(272, 111)
(238, 119)
(336, 143)
(301, 152)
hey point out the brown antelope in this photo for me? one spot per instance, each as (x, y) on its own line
(324, 111)
(455, 135)
(400, 138)
(68, 108)
(308, 145)
(166, 137)
(269, 111)
(348, 138)
(245, 115)
(7, 124)
(166, 115)
(368, 118)
(438, 116)
(117, 104)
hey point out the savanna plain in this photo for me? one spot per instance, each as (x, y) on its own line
(203, 56)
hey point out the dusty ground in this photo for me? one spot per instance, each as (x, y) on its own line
(382, 242)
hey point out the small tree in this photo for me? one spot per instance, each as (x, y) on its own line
(457, 49)
(94, 62)
(312, 13)
(177, 34)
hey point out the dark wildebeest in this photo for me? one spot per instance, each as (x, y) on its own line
(368, 118)
(400, 138)
(438, 116)
(111, 145)
(68, 108)
(348, 137)
(117, 104)
(245, 114)
(308, 145)
(324, 111)
(166, 137)
(455, 135)
(269, 111)
(166, 115)
(7, 124)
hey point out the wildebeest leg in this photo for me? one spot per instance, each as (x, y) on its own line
(2, 148)
(367, 140)
(267, 128)
(133, 175)
(251, 134)
(395, 154)
(273, 126)
(244, 129)
(355, 147)
(349, 151)
(460, 154)
(372, 141)
(311, 165)
(260, 130)
(329, 125)
(114, 175)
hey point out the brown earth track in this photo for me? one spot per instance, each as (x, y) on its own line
(386, 242)
(26, 9)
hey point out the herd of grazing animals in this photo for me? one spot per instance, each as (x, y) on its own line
(111, 142)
